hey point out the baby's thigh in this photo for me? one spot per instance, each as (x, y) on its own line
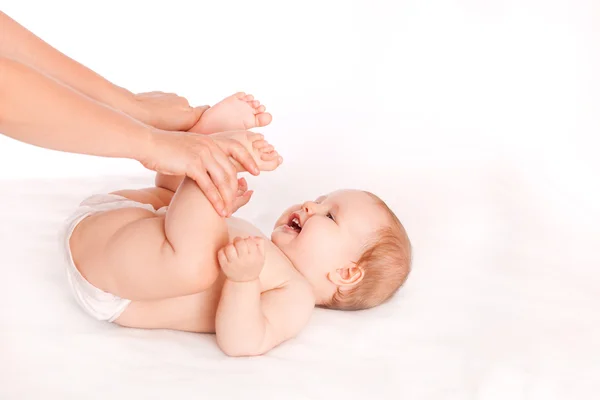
(126, 253)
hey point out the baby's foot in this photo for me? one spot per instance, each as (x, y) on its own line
(263, 153)
(237, 112)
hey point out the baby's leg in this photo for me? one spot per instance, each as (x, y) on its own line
(165, 256)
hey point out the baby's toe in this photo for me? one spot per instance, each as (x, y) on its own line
(270, 161)
(263, 119)
(260, 144)
(255, 136)
(269, 156)
(248, 97)
(266, 150)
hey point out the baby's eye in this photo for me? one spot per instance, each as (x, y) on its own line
(330, 216)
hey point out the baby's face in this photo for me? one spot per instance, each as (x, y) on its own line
(324, 237)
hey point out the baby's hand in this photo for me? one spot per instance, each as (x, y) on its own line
(243, 195)
(242, 260)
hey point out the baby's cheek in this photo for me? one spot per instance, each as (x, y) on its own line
(318, 243)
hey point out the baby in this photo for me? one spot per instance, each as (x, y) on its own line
(162, 257)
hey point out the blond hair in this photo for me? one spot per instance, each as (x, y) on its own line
(386, 263)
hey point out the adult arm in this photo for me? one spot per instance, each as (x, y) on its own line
(42, 111)
(162, 110)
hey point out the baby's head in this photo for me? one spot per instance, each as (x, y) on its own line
(349, 245)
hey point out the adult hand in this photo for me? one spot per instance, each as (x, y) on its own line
(166, 111)
(201, 159)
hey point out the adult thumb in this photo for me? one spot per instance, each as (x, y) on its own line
(191, 117)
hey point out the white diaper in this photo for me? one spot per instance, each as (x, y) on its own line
(97, 303)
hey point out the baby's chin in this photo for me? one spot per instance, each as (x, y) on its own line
(279, 237)
(283, 237)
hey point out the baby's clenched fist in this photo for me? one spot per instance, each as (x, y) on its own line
(243, 259)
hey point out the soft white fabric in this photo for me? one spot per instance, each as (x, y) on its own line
(502, 302)
(97, 303)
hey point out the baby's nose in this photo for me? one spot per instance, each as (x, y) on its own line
(309, 207)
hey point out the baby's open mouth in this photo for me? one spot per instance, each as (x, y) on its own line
(294, 223)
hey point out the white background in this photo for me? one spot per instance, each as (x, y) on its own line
(428, 82)
(479, 120)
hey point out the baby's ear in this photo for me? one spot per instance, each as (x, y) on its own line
(347, 277)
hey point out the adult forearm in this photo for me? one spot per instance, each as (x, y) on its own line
(39, 110)
(240, 323)
(20, 44)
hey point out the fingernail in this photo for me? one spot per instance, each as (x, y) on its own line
(280, 159)
(224, 212)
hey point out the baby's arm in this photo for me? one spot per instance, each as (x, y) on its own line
(249, 323)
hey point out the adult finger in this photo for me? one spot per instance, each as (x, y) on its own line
(230, 182)
(242, 155)
(228, 168)
(211, 192)
(222, 181)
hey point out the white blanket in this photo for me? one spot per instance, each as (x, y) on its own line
(502, 303)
